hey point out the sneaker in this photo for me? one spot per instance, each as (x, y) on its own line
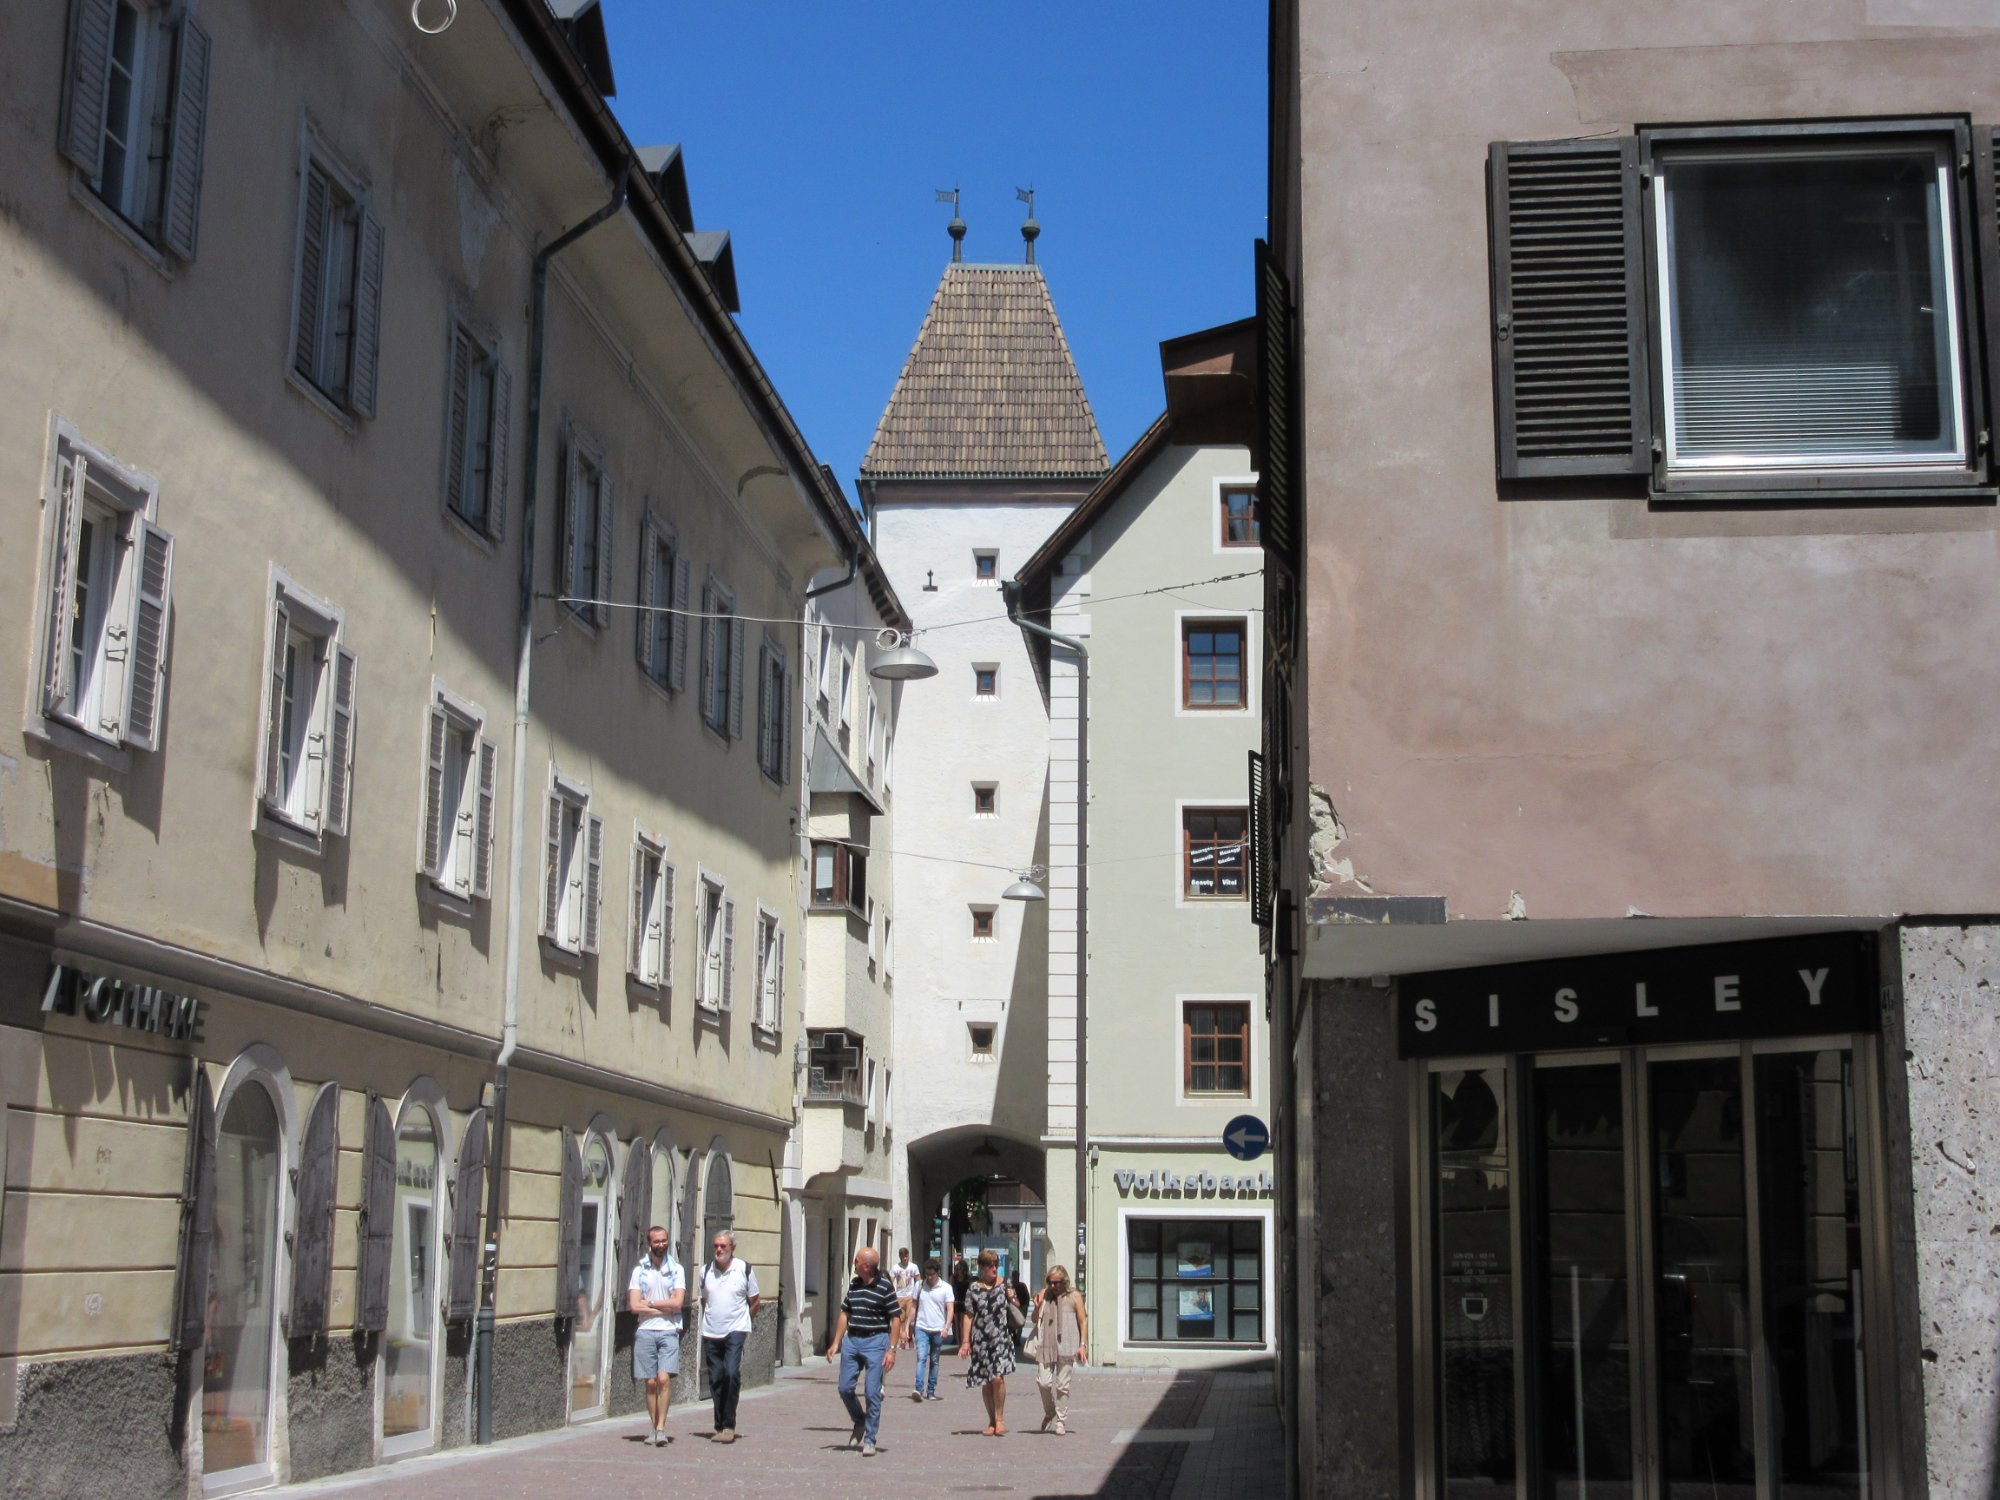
(659, 1438)
(867, 1450)
(916, 1395)
(1061, 1430)
(854, 1437)
(933, 1396)
(727, 1435)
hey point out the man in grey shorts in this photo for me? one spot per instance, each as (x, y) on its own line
(657, 1291)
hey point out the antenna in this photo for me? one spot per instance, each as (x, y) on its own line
(956, 228)
(1031, 229)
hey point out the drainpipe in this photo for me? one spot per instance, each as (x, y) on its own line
(1011, 593)
(496, 1161)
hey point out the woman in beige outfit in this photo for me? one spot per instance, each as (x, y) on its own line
(1062, 1342)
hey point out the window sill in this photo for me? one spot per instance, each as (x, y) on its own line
(134, 238)
(445, 899)
(764, 1033)
(666, 692)
(59, 734)
(1828, 489)
(320, 401)
(640, 982)
(559, 953)
(470, 531)
(1195, 898)
(709, 1011)
(282, 830)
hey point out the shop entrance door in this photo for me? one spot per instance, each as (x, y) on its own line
(1646, 1275)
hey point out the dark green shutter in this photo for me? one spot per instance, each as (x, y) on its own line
(197, 1218)
(1276, 453)
(467, 1200)
(378, 1221)
(312, 1236)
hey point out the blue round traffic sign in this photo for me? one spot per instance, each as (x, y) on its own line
(1246, 1137)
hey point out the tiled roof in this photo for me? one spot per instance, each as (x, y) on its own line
(989, 390)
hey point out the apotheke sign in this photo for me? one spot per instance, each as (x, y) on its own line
(123, 1002)
(1808, 986)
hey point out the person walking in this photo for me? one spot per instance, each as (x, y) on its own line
(655, 1295)
(932, 1316)
(1020, 1289)
(1062, 1342)
(961, 1279)
(986, 1335)
(904, 1278)
(729, 1300)
(864, 1343)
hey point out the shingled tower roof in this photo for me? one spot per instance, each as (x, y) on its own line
(989, 391)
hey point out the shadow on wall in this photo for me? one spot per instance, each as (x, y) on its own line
(1021, 1099)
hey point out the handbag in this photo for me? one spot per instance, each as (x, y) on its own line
(1014, 1314)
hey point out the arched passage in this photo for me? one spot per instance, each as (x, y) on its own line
(947, 1159)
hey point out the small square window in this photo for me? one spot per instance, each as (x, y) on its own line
(982, 1034)
(1239, 516)
(1215, 1048)
(1214, 853)
(985, 682)
(982, 924)
(986, 566)
(985, 799)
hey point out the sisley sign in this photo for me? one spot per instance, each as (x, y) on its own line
(1807, 986)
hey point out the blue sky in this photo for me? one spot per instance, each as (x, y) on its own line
(818, 134)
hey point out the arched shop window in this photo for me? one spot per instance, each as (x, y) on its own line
(664, 1208)
(587, 1309)
(410, 1343)
(718, 1207)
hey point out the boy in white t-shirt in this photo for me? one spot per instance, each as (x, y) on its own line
(904, 1279)
(655, 1295)
(931, 1316)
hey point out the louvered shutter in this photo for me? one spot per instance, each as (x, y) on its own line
(367, 316)
(1261, 853)
(1570, 365)
(197, 1237)
(1277, 377)
(340, 742)
(635, 958)
(468, 1194)
(457, 418)
(312, 1239)
(68, 524)
(87, 82)
(569, 1216)
(689, 1227)
(274, 709)
(601, 575)
(646, 634)
(666, 925)
(571, 508)
(787, 706)
(378, 1221)
(766, 751)
(184, 138)
(436, 734)
(552, 884)
(314, 209)
(709, 625)
(501, 436)
(482, 832)
(735, 675)
(593, 884)
(726, 999)
(153, 552)
(1986, 236)
(633, 1211)
(683, 584)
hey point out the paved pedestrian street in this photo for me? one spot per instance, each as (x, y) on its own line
(1132, 1434)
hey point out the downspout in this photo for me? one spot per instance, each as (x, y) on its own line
(1011, 593)
(496, 1160)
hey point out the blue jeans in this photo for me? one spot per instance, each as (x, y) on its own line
(857, 1355)
(928, 1359)
(725, 1376)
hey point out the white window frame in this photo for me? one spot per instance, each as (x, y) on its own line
(650, 924)
(476, 445)
(888, 948)
(973, 1052)
(715, 944)
(986, 786)
(1248, 712)
(1198, 1209)
(874, 944)
(343, 293)
(827, 657)
(1216, 542)
(461, 789)
(846, 686)
(986, 666)
(305, 755)
(979, 554)
(770, 956)
(874, 731)
(572, 879)
(128, 612)
(992, 912)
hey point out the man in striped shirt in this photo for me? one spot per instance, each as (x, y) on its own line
(862, 1343)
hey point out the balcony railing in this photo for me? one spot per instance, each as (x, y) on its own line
(833, 1088)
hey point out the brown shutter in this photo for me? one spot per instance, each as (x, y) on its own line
(378, 1221)
(1571, 373)
(87, 82)
(569, 1215)
(1986, 244)
(467, 1192)
(312, 1239)
(1275, 457)
(634, 1210)
(197, 1219)
(183, 208)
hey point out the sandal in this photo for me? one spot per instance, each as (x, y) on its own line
(988, 1432)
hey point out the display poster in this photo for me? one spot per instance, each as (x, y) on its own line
(1197, 1304)
(1195, 1258)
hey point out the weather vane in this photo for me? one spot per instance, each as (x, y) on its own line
(1030, 229)
(956, 228)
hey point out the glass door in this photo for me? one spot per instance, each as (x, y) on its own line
(238, 1353)
(588, 1345)
(409, 1361)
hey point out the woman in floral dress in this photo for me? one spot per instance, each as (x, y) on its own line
(986, 1332)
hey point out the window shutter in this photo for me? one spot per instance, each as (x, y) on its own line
(552, 885)
(340, 742)
(1277, 376)
(666, 926)
(766, 751)
(311, 289)
(312, 1239)
(367, 316)
(787, 694)
(378, 1221)
(62, 590)
(482, 832)
(683, 591)
(1570, 367)
(153, 551)
(87, 83)
(601, 575)
(435, 736)
(463, 1248)
(457, 414)
(632, 1217)
(645, 635)
(1261, 852)
(496, 462)
(593, 884)
(1986, 237)
(274, 707)
(727, 998)
(569, 1214)
(709, 625)
(735, 675)
(635, 961)
(197, 1239)
(184, 138)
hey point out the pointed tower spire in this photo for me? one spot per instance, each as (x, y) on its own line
(1030, 231)
(956, 228)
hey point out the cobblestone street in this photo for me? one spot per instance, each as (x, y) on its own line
(1191, 1436)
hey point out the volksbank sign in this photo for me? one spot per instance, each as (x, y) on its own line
(1808, 986)
(1202, 1182)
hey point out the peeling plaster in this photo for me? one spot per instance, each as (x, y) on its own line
(1329, 875)
(1517, 907)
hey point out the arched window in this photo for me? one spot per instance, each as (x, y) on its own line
(409, 1350)
(588, 1312)
(718, 1207)
(665, 1210)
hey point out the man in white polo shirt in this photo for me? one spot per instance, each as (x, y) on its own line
(729, 1299)
(658, 1288)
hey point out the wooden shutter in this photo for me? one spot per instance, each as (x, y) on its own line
(68, 525)
(378, 1221)
(367, 316)
(315, 207)
(496, 462)
(274, 708)
(1275, 456)
(436, 736)
(635, 956)
(572, 499)
(153, 553)
(340, 741)
(312, 1239)
(197, 1239)
(735, 673)
(457, 418)
(601, 575)
(766, 751)
(1570, 367)
(787, 703)
(649, 542)
(593, 883)
(552, 884)
(666, 925)
(709, 625)
(569, 1215)
(1986, 240)
(1261, 852)
(683, 585)
(482, 831)
(726, 998)
(633, 1211)
(467, 1200)
(184, 138)
(87, 82)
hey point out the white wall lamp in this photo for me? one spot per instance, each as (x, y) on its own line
(901, 661)
(1024, 887)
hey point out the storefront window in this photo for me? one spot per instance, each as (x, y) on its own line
(719, 1202)
(1195, 1280)
(1475, 1257)
(663, 1189)
(410, 1349)
(242, 1307)
(586, 1340)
